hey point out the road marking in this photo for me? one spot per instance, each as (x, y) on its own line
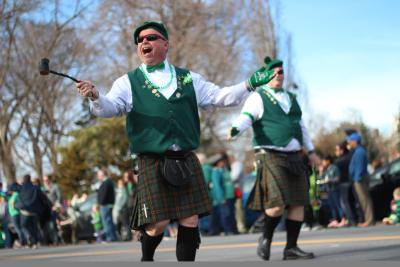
(205, 247)
(317, 241)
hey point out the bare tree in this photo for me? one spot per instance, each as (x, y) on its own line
(39, 110)
(10, 98)
(55, 102)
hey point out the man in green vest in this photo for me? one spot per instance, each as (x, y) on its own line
(161, 103)
(282, 182)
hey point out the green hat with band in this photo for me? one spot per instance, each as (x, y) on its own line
(272, 63)
(158, 26)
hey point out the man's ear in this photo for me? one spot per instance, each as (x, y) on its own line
(167, 45)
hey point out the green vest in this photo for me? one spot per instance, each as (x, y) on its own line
(275, 127)
(155, 123)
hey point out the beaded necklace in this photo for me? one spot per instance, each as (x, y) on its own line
(147, 78)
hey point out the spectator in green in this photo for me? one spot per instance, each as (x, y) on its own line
(97, 224)
(15, 214)
(5, 234)
(394, 217)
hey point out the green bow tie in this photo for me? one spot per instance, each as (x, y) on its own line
(156, 67)
(277, 90)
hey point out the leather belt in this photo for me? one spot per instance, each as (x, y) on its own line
(168, 154)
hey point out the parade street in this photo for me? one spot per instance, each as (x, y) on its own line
(374, 244)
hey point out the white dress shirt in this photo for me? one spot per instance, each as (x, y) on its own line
(118, 101)
(254, 106)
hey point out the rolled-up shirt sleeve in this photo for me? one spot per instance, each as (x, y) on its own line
(252, 110)
(209, 94)
(117, 102)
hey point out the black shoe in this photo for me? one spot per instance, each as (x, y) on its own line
(296, 253)
(264, 248)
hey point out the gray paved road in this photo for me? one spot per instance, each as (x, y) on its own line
(379, 243)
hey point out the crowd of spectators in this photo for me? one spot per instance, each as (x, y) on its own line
(33, 211)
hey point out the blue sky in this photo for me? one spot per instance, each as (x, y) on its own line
(348, 55)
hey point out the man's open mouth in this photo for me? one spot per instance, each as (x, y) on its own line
(146, 50)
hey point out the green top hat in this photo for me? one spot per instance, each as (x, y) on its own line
(158, 26)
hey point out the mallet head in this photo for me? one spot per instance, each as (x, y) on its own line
(44, 68)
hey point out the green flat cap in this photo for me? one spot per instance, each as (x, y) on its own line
(158, 26)
(272, 63)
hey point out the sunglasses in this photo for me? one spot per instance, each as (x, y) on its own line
(149, 38)
(280, 72)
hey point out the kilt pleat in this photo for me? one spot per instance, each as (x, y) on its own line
(157, 200)
(281, 181)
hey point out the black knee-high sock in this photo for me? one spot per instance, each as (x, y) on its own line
(270, 225)
(149, 245)
(292, 232)
(187, 243)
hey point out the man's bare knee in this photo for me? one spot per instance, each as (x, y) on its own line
(191, 221)
(157, 228)
(274, 212)
(296, 213)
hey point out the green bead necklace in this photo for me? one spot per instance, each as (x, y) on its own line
(152, 83)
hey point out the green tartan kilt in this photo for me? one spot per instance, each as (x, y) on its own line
(156, 200)
(282, 181)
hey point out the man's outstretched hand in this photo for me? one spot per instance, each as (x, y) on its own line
(87, 89)
(234, 131)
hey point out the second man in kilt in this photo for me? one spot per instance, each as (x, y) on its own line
(161, 103)
(282, 182)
